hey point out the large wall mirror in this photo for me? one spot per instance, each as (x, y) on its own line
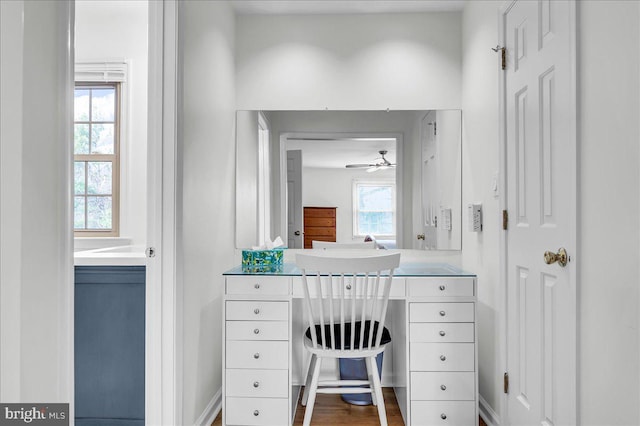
(394, 176)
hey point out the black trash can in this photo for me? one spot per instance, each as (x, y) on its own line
(356, 369)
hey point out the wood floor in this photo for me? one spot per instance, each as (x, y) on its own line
(331, 410)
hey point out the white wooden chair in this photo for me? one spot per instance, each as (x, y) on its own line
(331, 245)
(346, 300)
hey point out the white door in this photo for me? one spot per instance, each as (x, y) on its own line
(294, 199)
(540, 149)
(430, 184)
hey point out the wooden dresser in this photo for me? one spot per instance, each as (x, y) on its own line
(319, 224)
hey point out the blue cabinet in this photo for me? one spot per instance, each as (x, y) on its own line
(109, 345)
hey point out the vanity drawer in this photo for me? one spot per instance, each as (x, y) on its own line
(397, 288)
(442, 356)
(239, 310)
(436, 287)
(449, 386)
(257, 411)
(449, 413)
(258, 354)
(441, 312)
(257, 330)
(441, 332)
(257, 383)
(256, 285)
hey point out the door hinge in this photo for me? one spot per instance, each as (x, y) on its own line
(506, 382)
(505, 220)
(503, 55)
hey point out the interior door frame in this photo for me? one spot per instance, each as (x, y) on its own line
(284, 136)
(573, 183)
(163, 315)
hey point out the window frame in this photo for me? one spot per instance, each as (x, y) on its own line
(113, 158)
(373, 182)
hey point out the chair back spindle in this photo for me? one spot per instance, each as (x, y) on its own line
(342, 292)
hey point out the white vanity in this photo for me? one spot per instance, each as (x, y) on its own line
(432, 366)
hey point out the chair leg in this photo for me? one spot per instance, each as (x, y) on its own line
(371, 384)
(307, 383)
(313, 387)
(382, 413)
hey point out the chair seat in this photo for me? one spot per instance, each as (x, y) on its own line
(386, 336)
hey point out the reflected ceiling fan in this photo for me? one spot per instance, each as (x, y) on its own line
(379, 164)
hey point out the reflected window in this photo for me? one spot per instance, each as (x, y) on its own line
(95, 148)
(374, 209)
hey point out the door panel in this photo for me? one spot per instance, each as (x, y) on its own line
(540, 146)
(294, 199)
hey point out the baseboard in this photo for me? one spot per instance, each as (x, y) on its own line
(211, 411)
(488, 415)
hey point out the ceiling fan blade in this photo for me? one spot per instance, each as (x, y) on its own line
(358, 166)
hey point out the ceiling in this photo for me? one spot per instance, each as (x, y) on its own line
(338, 153)
(318, 7)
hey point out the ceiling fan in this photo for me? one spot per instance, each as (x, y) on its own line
(380, 164)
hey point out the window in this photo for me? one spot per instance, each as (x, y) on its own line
(374, 210)
(96, 159)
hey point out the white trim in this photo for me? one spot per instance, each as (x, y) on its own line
(489, 416)
(211, 411)
(67, 295)
(501, 349)
(108, 71)
(578, 324)
(163, 380)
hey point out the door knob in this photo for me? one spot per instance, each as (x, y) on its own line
(420, 236)
(296, 233)
(561, 257)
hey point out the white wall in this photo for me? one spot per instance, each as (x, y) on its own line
(375, 61)
(36, 285)
(608, 229)
(323, 187)
(480, 141)
(109, 30)
(207, 196)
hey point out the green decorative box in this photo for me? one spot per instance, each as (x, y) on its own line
(262, 260)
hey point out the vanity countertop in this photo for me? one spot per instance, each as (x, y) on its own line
(417, 269)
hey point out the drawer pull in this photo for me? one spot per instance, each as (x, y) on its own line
(256, 384)
(257, 413)
(348, 286)
(442, 313)
(443, 416)
(256, 331)
(443, 387)
(256, 286)
(442, 333)
(256, 311)
(257, 355)
(443, 358)
(442, 288)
